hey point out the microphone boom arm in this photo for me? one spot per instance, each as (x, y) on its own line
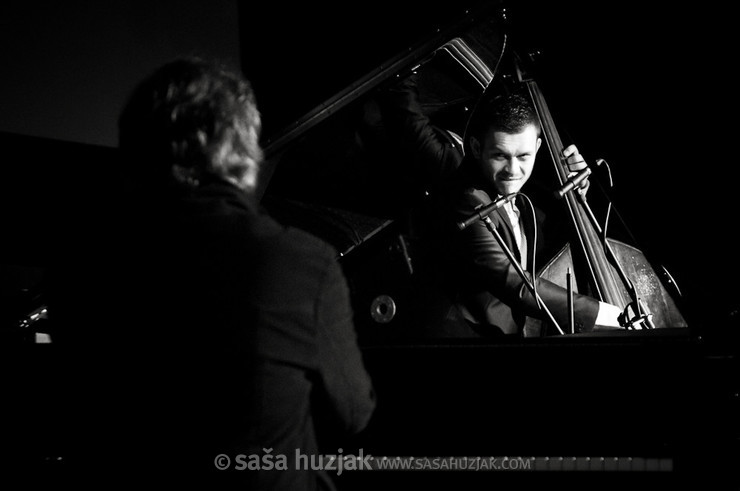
(487, 220)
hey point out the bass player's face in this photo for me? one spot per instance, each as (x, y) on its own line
(506, 160)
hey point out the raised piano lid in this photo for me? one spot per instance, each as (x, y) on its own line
(317, 176)
(473, 42)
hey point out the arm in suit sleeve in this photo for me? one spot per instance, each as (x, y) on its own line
(489, 267)
(346, 384)
(431, 150)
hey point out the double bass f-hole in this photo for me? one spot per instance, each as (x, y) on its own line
(616, 273)
(635, 315)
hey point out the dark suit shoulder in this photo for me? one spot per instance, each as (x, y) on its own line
(465, 201)
(291, 242)
(472, 197)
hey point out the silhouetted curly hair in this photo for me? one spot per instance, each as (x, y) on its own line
(191, 119)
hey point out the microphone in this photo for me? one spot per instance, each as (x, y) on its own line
(483, 211)
(572, 183)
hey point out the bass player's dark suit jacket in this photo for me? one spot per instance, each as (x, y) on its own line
(490, 292)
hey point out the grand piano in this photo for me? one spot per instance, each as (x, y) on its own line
(658, 401)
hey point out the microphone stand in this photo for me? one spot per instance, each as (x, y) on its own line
(624, 319)
(487, 220)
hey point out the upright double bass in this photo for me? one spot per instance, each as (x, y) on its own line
(613, 271)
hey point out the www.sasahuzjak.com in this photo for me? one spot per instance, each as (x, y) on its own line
(340, 462)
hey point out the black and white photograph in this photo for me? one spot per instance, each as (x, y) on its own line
(484, 244)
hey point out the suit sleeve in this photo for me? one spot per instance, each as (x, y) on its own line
(489, 266)
(433, 153)
(345, 381)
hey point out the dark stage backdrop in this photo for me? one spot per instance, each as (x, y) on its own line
(68, 66)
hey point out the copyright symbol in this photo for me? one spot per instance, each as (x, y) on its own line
(222, 462)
